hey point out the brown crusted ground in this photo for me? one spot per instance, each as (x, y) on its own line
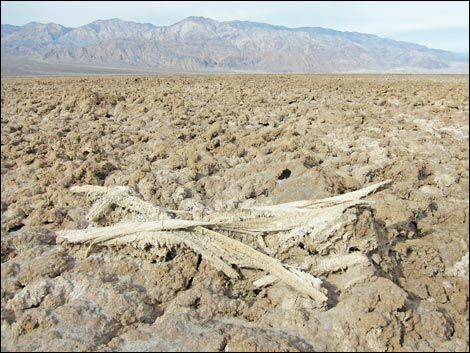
(188, 142)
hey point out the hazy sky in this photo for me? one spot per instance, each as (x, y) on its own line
(436, 24)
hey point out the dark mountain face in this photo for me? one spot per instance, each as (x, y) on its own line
(8, 29)
(31, 39)
(202, 44)
(100, 30)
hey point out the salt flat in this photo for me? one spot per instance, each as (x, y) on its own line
(204, 144)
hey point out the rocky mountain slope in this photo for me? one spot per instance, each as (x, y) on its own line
(202, 44)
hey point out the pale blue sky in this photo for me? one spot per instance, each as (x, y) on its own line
(436, 24)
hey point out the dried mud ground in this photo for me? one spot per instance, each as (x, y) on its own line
(224, 142)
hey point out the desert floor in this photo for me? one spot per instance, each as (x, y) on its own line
(207, 143)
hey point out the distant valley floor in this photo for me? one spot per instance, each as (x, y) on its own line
(31, 67)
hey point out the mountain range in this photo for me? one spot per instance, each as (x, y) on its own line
(198, 44)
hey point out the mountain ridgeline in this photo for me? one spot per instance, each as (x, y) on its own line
(199, 44)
